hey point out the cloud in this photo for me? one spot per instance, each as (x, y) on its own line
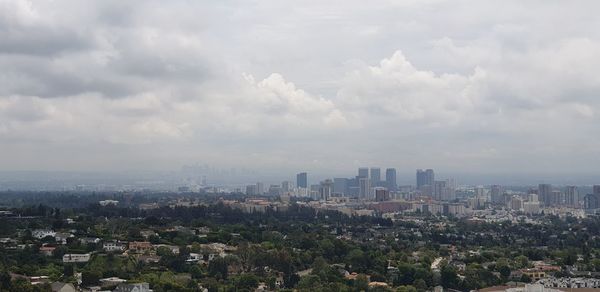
(454, 85)
(398, 89)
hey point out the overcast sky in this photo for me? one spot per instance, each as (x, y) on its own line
(465, 86)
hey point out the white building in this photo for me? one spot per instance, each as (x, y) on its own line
(139, 287)
(41, 233)
(108, 202)
(76, 258)
(113, 246)
(531, 207)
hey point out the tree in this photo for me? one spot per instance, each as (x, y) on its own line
(217, 268)
(504, 271)
(309, 282)
(196, 272)
(211, 284)
(356, 258)
(522, 261)
(449, 277)
(477, 277)
(361, 283)
(525, 279)
(569, 257)
(247, 282)
(407, 288)
(420, 285)
(4, 281)
(595, 265)
(91, 277)
(68, 271)
(406, 275)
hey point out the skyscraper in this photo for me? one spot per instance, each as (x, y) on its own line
(325, 190)
(545, 194)
(286, 186)
(497, 194)
(571, 196)
(364, 188)
(363, 172)
(439, 186)
(302, 180)
(375, 176)
(591, 201)
(260, 188)
(425, 178)
(340, 186)
(442, 190)
(390, 179)
(382, 194)
(251, 190)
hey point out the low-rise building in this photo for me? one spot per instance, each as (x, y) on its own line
(140, 246)
(41, 233)
(62, 287)
(47, 250)
(105, 203)
(139, 287)
(112, 281)
(76, 258)
(113, 246)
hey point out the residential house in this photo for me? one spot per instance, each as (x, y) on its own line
(139, 287)
(61, 237)
(47, 250)
(62, 287)
(140, 246)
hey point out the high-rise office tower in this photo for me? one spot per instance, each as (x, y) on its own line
(571, 196)
(353, 187)
(591, 201)
(420, 178)
(340, 186)
(286, 186)
(363, 172)
(260, 188)
(425, 178)
(497, 194)
(545, 194)
(390, 179)
(364, 188)
(251, 190)
(438, 188)
(274, 190)
(302, 180)
(442, 190)
(449, 192)
(325, 190)
(556, 198)
(375, 176)
(382, 194)
(314, 191)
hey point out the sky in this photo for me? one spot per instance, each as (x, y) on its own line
(284, 86)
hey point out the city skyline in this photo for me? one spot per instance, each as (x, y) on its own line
(341, 145)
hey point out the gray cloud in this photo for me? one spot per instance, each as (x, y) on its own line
(456, 85)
